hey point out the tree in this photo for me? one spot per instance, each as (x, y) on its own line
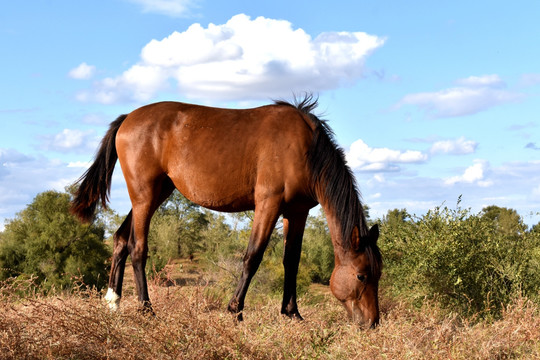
(396, 217)
(506, 221)
(366, 209)
(318, 249)
(176, 231)
(535, 229)
(46, 241)
(471, 263)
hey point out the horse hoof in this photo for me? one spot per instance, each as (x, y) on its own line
(239, 317)
(295, 315)
(233, 308)
(112, 300)
(147, 310)
(147, 313)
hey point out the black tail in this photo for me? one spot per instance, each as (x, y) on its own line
(95, 183)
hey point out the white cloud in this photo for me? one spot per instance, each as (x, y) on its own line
(24, 180)
(459, 146)
(8, 156)
(139, 83)
(474, 174)
(418, 195)
(241, 60)
(173, 8)
(71, 140)
(82, 72)
(379, 178)
(361, 157)
(482, 81)
(375, 196)
(516, 187)
(475, 94)
(23, 177)
(68, 139)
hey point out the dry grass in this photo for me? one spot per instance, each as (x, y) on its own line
(191, 323)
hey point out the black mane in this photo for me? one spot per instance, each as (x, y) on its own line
(331, 175)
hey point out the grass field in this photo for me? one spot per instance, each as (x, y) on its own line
(191, 323)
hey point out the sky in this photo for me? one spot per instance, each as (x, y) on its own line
(430, 100)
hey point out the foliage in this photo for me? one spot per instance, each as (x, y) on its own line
(467, 263)
(484, 265)
(45, 241)
(473, 264)
(190, 324)
(175, 231)
(225, 243)
(318, 249)
(221, 241)
(506, 222)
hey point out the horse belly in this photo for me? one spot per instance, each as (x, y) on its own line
(214, 180)
(231, 160)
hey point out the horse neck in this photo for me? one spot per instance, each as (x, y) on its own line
(334, 225)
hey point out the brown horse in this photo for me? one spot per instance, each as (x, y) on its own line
(278, 159)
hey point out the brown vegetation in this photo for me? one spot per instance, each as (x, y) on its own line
(191, 323)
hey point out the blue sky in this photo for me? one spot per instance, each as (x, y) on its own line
(430, 100)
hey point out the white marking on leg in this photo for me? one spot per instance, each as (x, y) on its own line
(112, 299)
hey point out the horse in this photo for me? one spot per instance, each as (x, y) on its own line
(278, 159)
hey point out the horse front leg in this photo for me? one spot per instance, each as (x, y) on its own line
(263, 225)
(118, 264)
(145, 202)
(293, 231)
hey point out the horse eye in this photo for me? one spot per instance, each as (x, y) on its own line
(361, 277)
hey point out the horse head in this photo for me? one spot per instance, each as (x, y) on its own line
(355, 279)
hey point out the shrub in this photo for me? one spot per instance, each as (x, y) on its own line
(464, 261)
(318, 249)
(46, 241)
(175, 231)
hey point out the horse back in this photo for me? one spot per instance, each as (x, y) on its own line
(223, 159)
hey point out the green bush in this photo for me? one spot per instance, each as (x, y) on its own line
(175, 232)
(471, 264)
(271, 275)
(223, 250)
(46, 241)
(468, 263)
(318, 249)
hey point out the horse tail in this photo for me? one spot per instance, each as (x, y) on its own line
(94, 185)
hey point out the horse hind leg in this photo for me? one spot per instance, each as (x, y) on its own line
(118, 264)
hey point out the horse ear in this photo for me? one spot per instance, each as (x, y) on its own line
(355, 240)
(374, 233)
